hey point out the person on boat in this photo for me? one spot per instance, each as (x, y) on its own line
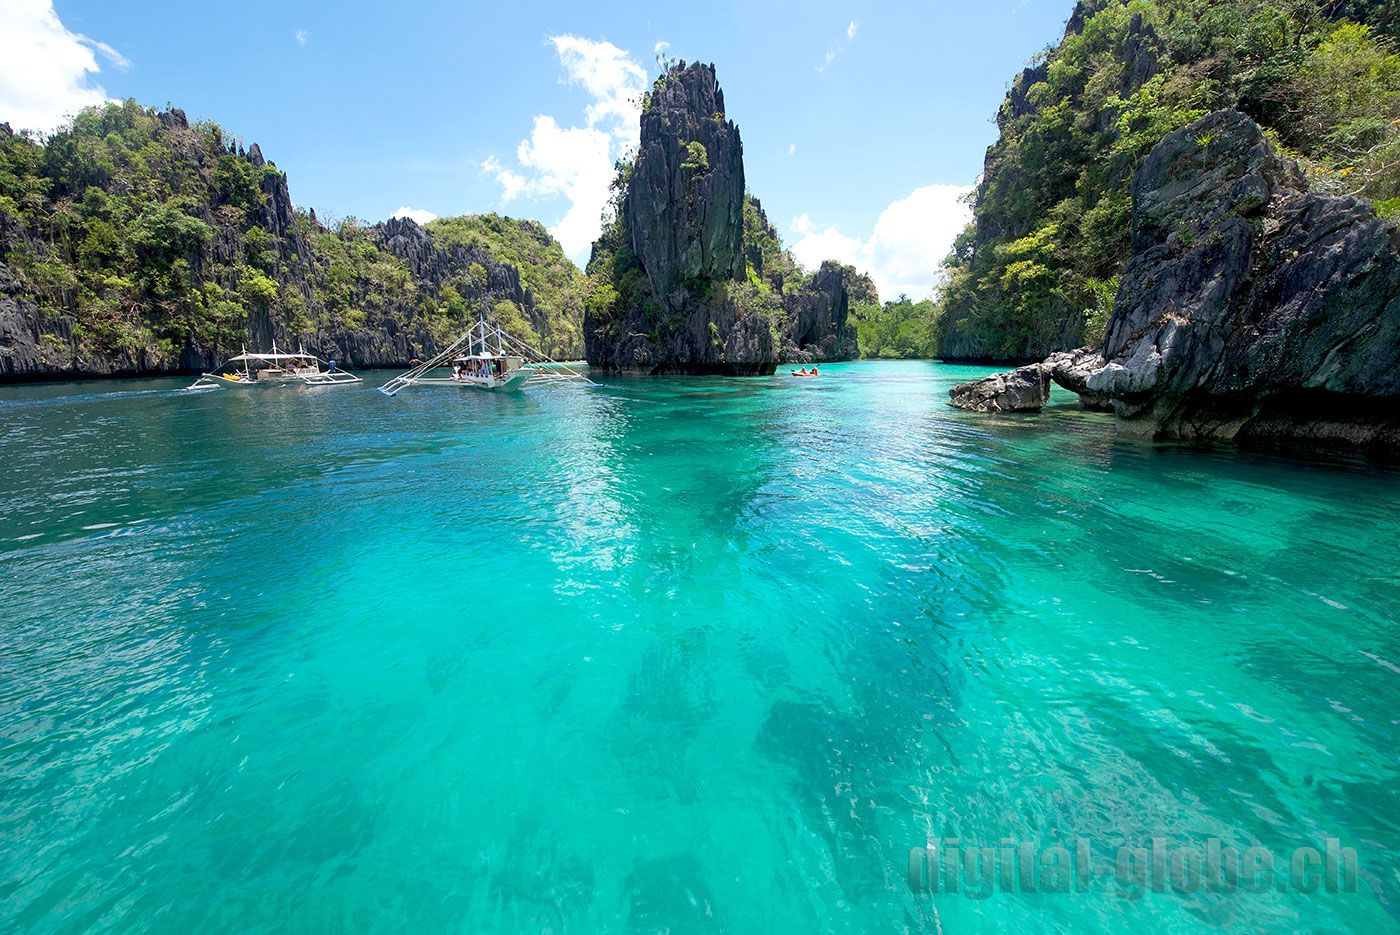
(331, 368)
(814, 370)
(802, 372)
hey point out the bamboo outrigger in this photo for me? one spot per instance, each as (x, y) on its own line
(471, 363)
(274, 369)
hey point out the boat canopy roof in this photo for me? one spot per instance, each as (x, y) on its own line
(302, 356)
(480, 357)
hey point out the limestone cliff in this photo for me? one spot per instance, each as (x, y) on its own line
(676, 298)
(690, 277)
(1249, 307)
(816, 324)
(814, 320)
(134, 242)
(685, 203)
(1037, 270)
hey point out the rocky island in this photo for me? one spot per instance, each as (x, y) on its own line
(689, 276)
(135, 242)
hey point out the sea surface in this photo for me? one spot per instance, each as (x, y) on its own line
(676, 655)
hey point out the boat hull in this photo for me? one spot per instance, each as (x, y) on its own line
(238, 382)
(511, 384)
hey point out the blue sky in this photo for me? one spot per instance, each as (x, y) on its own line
(861, 123)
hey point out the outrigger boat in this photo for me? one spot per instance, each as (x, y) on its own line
(275, 369)
(470, 363)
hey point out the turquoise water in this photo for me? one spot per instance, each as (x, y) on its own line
(672, 655)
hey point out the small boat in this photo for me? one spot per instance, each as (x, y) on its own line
(503, 373)
(470, 363)
(274, 369)
(804, 372)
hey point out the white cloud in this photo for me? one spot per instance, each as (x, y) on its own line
(46, 71)
(661, 46)
(301, 36)
(835, 47)
(109, 53)
(577, 162)
(513, 184)
(792, 148)
(910, 239)
(418, 214)
(615, 81)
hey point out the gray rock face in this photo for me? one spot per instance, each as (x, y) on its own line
(1072, 369)
(686, 212)
(1251, 307)
(19, 333)
(1141, 52)
(684, 217)
(817, 316)
(1024, 389)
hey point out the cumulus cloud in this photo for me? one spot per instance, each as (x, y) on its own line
(615, 81)
(661, 46)
(418, 214)
(851, 30)
(576, 162)
(46, 71)
(909, 241)
(301, 36)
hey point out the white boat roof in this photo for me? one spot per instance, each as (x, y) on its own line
(303, 356)
(481, 357)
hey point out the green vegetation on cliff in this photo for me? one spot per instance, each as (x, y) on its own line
(1037, 270)
(617, 280)
(556, 283)
(136, 241)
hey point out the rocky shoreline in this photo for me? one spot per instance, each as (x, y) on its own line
(1250, 307)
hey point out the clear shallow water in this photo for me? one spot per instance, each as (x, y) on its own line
(674, 655)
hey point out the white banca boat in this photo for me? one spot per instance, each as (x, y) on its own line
(486, 358)
(275, 369)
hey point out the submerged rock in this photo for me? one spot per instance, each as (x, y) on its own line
(1024, 389)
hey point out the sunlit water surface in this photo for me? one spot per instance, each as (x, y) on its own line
(670, 655)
